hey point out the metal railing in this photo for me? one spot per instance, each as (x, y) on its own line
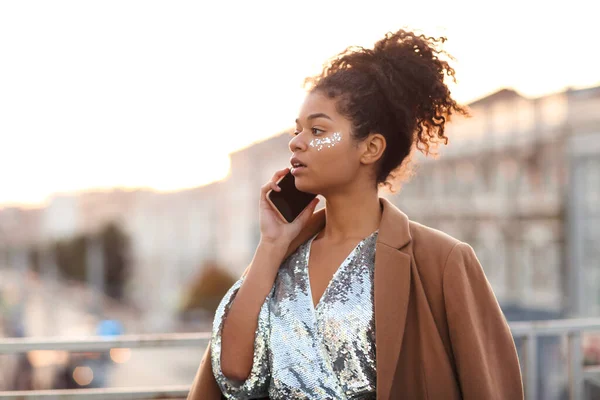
(97, 343)
(529, 331)
(572, 329)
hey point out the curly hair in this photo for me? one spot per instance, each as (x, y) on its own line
(396, 89)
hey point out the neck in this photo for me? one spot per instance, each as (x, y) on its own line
(353, 215)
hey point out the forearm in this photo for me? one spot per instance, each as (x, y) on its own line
(239, 327)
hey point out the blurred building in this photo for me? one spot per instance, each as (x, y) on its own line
(19, 227)
(97, 208)
(60, 217)
(172, 234)
(66, 215)
(505, 185)
(583, 200)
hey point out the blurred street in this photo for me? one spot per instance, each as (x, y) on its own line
(60, 309)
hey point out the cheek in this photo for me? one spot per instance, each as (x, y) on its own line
(329, 142)
(334, 163)
(335, 155)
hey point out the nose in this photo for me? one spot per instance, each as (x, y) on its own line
(297, 143)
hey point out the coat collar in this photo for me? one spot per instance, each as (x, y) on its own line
(391, 286)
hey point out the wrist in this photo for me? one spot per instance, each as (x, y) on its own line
(278, 245)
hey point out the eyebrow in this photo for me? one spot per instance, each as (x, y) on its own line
(317, 115)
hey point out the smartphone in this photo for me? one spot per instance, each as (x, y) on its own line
(289, 202)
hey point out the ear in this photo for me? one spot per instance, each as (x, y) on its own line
(373, 147)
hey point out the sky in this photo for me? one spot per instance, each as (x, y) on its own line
(100, 94)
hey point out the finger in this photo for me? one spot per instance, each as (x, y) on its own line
(267, 186)
(264, 190)
(272, 184)
(277, 175)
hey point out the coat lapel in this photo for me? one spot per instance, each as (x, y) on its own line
(392, 289)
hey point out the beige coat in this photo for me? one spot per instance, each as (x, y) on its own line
(440, 333)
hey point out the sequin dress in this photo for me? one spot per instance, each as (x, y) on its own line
(307, 352)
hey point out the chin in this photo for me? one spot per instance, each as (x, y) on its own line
(304, 185)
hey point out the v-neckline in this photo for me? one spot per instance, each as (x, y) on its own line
(315, 307)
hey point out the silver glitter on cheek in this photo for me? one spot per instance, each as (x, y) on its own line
(327, 142)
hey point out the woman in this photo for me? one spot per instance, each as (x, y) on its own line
(356, 301)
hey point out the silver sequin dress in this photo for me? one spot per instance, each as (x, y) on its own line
(307, 352)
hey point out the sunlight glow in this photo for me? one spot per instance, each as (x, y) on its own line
(157, 94)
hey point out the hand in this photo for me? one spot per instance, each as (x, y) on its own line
(272, 228)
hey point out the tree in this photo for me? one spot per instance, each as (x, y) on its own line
(115, 248)
(70, 256)
(207, 289)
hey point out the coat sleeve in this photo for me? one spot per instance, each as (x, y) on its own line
(482, 344)
(257, 383)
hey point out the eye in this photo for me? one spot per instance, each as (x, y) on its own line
(317, 131)
(296, 132)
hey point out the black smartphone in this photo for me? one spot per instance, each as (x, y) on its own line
(289, 202)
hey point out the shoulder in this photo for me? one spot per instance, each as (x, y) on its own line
(441, 259)
(425, 238)
(421, 232)
(435, 249)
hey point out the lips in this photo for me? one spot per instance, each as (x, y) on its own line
(297, 165)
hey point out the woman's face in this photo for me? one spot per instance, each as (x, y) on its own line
(323, 145)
